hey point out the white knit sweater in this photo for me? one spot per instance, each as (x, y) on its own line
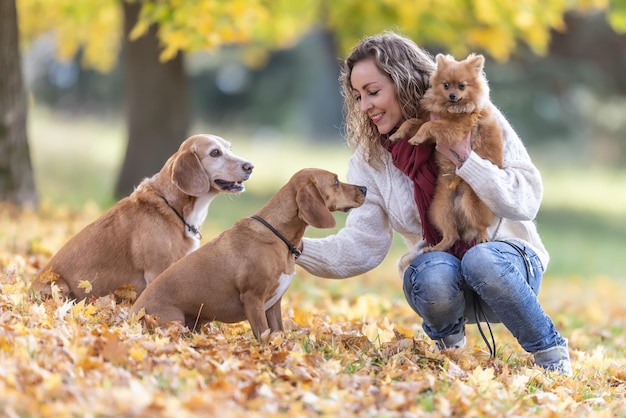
(513, 194)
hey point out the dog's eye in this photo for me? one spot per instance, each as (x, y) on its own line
(461, 86)
(336, 182)
(215, 153)
(446, 86)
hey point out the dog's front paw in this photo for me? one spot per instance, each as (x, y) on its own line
(407, 129)
(443, 245)
(398, 135)
(418, 139)
(482, 236)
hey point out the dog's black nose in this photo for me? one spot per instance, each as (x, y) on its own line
(363, 190)
(452, 96)
(247, 167)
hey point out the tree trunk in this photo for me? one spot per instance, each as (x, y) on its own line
(157, 105)
(323, 100)
(17, 184)
(590, 39)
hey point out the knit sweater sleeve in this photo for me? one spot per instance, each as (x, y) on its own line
(362, 243)
(513, 192)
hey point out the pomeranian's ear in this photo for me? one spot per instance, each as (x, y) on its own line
(441, 59)
(478, 61)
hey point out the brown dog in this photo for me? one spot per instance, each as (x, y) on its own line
(457, 103)
(142, 234)
(244, 272)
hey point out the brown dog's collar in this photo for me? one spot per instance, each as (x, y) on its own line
(292, 248)
(192, 228)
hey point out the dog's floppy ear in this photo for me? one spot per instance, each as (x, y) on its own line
(189, 175)
(311, 206)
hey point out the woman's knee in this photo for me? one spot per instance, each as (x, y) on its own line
(487, 264)
(483, 260)
(433, 276)
(433, 288)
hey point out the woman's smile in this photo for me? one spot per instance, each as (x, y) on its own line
(376, 95)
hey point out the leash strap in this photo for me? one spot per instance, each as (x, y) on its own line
(478, 310)
(191, 228)
(292, 248)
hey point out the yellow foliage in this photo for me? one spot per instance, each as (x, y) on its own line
(497, 41)
(617, 16)
(487, 12)
(93, 25)
(494, 26)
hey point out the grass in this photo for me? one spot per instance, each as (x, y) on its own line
(582, 220)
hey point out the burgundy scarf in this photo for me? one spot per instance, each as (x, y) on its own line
(418, 162)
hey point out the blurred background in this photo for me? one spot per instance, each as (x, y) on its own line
(111, 88)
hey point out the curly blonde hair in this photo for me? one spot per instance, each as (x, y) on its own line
(408, 66)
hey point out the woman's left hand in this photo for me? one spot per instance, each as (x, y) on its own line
(457, 153)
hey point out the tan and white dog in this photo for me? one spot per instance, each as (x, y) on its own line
(244, 272)
(142, 234)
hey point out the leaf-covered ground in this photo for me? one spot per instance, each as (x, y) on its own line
(351, 348)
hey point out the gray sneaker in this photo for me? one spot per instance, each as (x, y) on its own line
(451, 341)
(555, 359)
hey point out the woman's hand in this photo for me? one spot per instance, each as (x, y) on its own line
(457, 153)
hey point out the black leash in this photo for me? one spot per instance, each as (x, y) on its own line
(191, 228)
(292, 248)
(478, 308)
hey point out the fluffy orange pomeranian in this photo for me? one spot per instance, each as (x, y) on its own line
(457, 103)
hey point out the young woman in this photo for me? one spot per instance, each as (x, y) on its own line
(384, 78)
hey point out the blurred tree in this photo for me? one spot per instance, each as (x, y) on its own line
(157, 114)
(581, 42)
(16, 174)
(493, 26)
(175, 27)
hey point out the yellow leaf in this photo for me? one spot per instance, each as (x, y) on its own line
(127, 292)
(83, 310)
(380, 334)
(57, 296)
(406, 332)
(137, 353)
(300, 317)
(49, 276)
(5, 345)
(85, 285)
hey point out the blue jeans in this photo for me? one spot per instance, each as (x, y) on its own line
(441, 289)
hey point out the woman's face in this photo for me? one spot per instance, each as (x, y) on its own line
(375, 93)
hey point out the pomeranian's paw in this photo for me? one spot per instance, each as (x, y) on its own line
(442, 246)
(398, 135)
(417, 139)
(408, 128)
(482, 238)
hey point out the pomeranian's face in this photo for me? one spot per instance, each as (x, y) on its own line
(459, 86)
